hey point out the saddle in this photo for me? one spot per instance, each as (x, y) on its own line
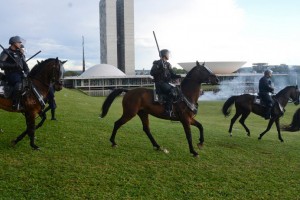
(162, 98)
(6, 90)
(258, 101)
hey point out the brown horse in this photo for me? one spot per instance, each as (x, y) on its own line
(40, 77)
(140, 102)
(295, 124)
(245, 104)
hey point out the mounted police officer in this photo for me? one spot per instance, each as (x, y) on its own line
(163, 74)
(12, 61)
(265, 88)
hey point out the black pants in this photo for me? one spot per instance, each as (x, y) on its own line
(167, 89)
(267, 99)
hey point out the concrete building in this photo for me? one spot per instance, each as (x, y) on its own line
(117, 34)
(100, 79)
(108, 32)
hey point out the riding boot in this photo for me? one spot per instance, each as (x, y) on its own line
(17, 97)
(53, 114)
(168, 108)
(268, 113)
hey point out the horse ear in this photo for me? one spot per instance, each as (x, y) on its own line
(63, 62)
(197, 63)
(203, 63)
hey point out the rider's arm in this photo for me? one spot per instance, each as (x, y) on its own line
(156, 69)
(4, 64)
(173, 74)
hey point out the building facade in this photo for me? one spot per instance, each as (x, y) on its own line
(117, 34)
(108, 32)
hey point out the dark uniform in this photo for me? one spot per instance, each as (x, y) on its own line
(163, 74)
(15, 69)
(265, 88)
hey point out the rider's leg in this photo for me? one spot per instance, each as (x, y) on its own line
(17, 96)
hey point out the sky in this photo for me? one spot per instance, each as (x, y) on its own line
(204, 30)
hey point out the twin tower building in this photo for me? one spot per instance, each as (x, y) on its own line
(117, 34)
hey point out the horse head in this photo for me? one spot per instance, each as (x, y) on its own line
(49, 72)
(202, 74)
(57, 74)
(295, 94)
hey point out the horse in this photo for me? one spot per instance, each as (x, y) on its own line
(43, 74)
(245, 104)
(295, 124)
(140, 101)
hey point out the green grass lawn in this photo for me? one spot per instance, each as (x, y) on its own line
(76, 160)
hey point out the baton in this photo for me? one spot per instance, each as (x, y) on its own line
(156, 43)
(33, 56)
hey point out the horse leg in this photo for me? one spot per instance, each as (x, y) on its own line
(145, 121)
(200, 127)
(19, 138)
(30, 129)
(235, 117)
(242, 121)
(188, 135)
(117, 125)
(268, 128)
(44, 117)
(278, 129)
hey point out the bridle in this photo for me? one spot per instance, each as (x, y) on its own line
(53, 79)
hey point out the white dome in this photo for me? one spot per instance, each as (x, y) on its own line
(102, 70)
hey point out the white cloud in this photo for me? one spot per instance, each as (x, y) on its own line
(197, 30)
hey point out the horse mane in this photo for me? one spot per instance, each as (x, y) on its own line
(37, 67)
(188, 76)
(281, 92)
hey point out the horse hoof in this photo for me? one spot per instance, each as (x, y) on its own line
(230, 134)
(281, 141)
(114, 145)
(34, 147)
(13, 143)
(200, 145)
(259, 138)
(196, 155)
(165, 151)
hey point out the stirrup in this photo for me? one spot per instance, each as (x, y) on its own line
(17, 107)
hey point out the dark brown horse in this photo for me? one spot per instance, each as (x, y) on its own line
(245, 104)
(295, 124)
(40, 77)
(140, 102)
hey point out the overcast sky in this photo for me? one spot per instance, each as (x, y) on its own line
(204, 30)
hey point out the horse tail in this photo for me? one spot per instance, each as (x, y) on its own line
(294, 126)
(227, 105)
(109, 99)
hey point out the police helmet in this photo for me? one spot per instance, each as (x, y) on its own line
(268, 71)
(15, 39)
(164, 53)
